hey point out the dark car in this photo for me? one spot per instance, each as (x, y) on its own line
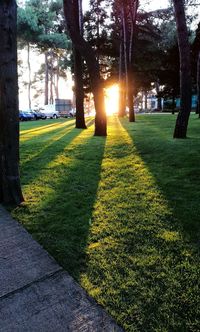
(38, 115)
(23, 116)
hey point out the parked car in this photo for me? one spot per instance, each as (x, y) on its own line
(38, 115)
(25, 116)
(50, 112)
(72, 112)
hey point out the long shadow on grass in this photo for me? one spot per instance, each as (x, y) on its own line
(45, 131)
(33, 163)
(39, 127)
(140, 267)
(60, 218)
(175, 167)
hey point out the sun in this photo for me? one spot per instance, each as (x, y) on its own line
(112, 99)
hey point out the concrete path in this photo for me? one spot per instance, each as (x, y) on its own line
(36, 294)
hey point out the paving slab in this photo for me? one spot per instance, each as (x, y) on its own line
(22, 260)
(36, 294)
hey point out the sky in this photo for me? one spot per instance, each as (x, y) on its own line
(153, 4)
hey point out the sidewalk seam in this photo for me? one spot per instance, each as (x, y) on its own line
(47, 276)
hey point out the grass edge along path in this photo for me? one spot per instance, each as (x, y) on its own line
(117, 234)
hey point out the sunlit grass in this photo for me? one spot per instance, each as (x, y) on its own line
(120, 215)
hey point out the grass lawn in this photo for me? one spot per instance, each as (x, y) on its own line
(121, 214)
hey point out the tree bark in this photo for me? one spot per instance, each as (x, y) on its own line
(198, 85)
(128, 18)
(185, 71)
(10, 188)
(159, 105)
(51, 97)
(78, 72)
(133, 14)
(29, 75)
(122, 83)
(46, 90)
(93, 67)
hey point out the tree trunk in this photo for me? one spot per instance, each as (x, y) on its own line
(122, 84)
(185, 71)
(51, 98)
(79, 93)
(130, 97)
(159, 100)
(133, 12)
(145, 101)
(57, 79)
(173, 103)
(128, 13)
(29, 75)
(10, 188)
(93, 67)
(125, 48)
(46, 90)
(78, 72)
(198, 85)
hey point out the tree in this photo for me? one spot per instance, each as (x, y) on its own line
(185, 71)
(28, 32)
(78, 71)
(93, 67)
(196, 52)
(10, 188)
(127, 13)
(41, 25)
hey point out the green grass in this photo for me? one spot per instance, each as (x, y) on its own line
(120, 214)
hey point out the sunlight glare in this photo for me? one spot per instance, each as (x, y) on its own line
(112, 99)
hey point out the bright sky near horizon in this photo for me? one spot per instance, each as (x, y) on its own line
(148, 4)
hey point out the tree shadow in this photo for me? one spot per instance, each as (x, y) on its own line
(36, 153)
(65, 177)
(175, 166)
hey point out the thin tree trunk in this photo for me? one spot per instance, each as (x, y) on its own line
(122, 85)
(93, 67)
(10, 188)
(78, 72)
(57, 79)
(46, 91)
(145, 100)
(133, 15)
(159, 106)
(173, 104)
(185, 71)
(29, 75)
(51, 99)
(129, 12)
(125, 47)
(198, 85)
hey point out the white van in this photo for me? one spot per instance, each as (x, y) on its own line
(50, 111)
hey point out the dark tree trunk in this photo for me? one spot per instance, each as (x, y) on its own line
(198, 85)
(79, 93)
(46, 90)
(185, 71)
(51, 97)
(10, 188)
(159, 106)
(173, 104)
(128, 18)
(122, 84)
(78, 72)
(57, 79)
(145, 101)
(130, 98)
(93, 67)
(29, 75)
